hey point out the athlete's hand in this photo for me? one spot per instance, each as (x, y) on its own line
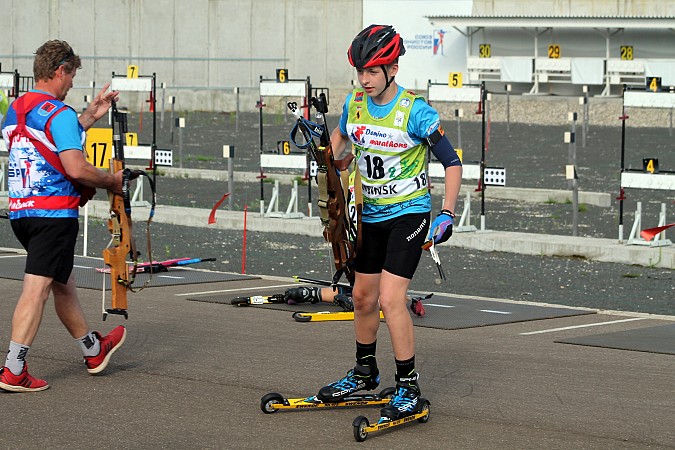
(441, 227)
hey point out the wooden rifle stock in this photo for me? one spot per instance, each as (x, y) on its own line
(337, 227)
(120, 228)
(336, 224)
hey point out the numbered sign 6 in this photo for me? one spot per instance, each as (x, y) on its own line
(282, 75)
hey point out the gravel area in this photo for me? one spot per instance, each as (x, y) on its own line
(534, 157)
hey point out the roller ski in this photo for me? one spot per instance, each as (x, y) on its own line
(405, 406)
(258, 300)
(341, 393)
(326, 316)
(273, 402)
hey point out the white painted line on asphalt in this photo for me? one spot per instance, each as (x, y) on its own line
(82, 267)
(492, 311)
(439, 306)
(236, 290)
(169, 276)
(596, 324)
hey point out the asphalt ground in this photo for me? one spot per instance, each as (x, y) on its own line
(191, 374)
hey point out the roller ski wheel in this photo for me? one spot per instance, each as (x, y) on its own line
(273, 402)
(388, 392)
(268, 401)
(362, 427)
(425, 410)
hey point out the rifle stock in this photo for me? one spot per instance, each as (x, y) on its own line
(338, 230)
(119, 226)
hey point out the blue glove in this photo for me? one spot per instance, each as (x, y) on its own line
(441, 227)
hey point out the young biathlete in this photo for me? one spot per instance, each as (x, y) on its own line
(391, 130)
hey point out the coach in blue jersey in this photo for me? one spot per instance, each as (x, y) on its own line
(48, 172)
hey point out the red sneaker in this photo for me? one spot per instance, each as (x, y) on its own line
(109, 345)
(24, 382)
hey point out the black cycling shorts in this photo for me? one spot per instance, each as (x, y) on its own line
(394, 245)
(50, 244)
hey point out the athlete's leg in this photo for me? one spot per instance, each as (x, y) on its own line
(366, 307)
(30, 307)
(68, 308)
(393, 303)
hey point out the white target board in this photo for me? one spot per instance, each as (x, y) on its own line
(131, 84)
(283, 161)
(289, 89)
(444, 93)
(646, 99)
(6, 80)
(137, 152)
(639, 180)
(469, 171)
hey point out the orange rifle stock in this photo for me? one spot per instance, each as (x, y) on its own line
(120, 227)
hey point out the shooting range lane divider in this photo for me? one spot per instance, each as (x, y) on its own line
(651, 176)
(99, 140)
(282, 157)
(456, 92)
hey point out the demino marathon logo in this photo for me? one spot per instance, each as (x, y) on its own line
(379, 138)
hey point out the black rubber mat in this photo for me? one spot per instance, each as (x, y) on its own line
(88, 277)
(448, 313)
(660, 339)
(452, 313)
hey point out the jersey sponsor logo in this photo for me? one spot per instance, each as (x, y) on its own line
(388, 144)
(358, 134)
(380, 134)
(16, 205)
(358, 97)
(54, 202)
(358, 113)
(378, 191)
(405, 102)
(46, 108)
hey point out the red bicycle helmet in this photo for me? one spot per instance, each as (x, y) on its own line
(377, 45)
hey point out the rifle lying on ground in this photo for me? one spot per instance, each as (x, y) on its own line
(162, 266)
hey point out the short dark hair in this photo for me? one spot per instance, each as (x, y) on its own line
(50, 56)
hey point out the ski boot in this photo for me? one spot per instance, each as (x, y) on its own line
(356, 380)
(406, 400)
(344, 301)
(302, 295)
